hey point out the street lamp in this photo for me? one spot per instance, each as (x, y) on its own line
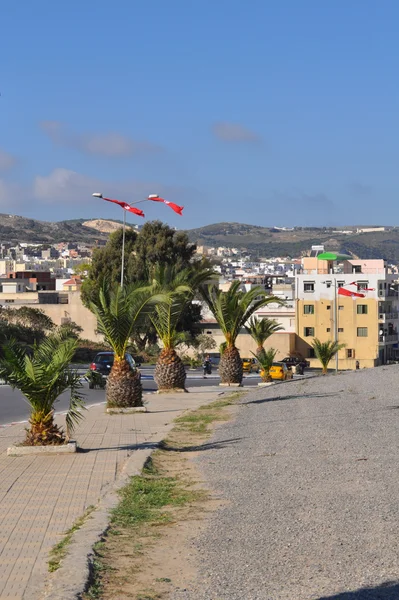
(130, 208)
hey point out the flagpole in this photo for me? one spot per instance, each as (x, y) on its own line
(336, 322)
(123, 248)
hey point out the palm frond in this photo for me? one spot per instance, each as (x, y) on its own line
(261, 329)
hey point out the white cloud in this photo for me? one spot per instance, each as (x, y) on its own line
(233, 132)
(7, 161)
(109, 144)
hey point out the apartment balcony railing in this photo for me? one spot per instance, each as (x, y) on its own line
(384, 339)
(388, 316)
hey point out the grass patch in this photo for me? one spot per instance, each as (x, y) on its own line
(59, 551)
(155, 498)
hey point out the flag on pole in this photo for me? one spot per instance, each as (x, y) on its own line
(127, 207)
(343, 292)
(364, 289)
(178, 209)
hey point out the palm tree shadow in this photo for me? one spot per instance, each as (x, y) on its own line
(163, 446)
(388, 590)
(291, 397)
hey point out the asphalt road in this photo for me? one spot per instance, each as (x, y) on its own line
(14, 408)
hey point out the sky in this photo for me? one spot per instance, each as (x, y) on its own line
(268, 112)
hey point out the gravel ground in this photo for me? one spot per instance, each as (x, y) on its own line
(310, 472)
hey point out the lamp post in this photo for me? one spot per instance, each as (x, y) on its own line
(126, 208)
(130, 208)
(335, 319)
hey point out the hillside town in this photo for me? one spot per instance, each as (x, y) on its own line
(308, 288)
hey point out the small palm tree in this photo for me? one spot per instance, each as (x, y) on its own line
(266, 360)
(42, 376)
(260, 330)
(325, 351)
(118, 311)
(232, 309)
(180, 287)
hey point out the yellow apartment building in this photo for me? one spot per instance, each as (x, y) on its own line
(366, 325)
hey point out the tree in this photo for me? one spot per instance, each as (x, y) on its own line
(71, 329)
(181, 287)
(156, 243)
(42, 377)
(232, 309)
(266, 360)
(203, 343)
(28, 316)
(106, 265)
(118, 310)
(82, 270)
(260, 330)
(325, 351)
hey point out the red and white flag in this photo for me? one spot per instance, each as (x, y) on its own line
(364, 289)
(127, 207)
(343, 292)
(178, 209)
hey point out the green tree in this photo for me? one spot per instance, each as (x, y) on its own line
(266, 360)
(42, 376)
(106, 265)
(232, 309)
(118, 310)
(71, 329)
(28, 316)
(325, 351)
(181, 285)
(203, 343)
(260, 330)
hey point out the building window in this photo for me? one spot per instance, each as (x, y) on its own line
(308, 309)
(340, 307)
(328, 307)
(362, 332)
(341, 283)
(357, 268)
(362, 285)
(311, 353)
(328, 284)
(340, 330)
(362, 309)
(308, 331)
(350, 353)
(328, 329)
(308, 286)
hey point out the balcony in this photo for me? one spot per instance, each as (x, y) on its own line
(387, 293)
(387, 316)
(388, 339)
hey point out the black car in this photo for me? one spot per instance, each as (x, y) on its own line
(293, 361)
(102, 364)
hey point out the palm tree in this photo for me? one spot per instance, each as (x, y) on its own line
(266, 360)
(42, 376)
(325, 351)
(260, 330)
(181, 287)
(232, 309)
(118, 311)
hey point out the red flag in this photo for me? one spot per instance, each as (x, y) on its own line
(178, 209)
(364, 289)
(343, 292)
(127, 207)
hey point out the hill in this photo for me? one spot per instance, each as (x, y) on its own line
(21, 229)
(270, 241)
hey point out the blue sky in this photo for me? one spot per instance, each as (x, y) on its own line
(264, 112)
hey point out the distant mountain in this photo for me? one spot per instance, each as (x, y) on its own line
(260, 241)
(21, 229)
(272, 241)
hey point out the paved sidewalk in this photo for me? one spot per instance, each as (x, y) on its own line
(41, 496)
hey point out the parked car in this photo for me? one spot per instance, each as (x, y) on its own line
(102, 365)
(249, 365)
(293, 361)
(280, 371)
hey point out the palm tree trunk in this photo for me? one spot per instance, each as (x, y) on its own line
(260, 352)
(266, 376)
(124, 388)
(230, 367)
(325, 370)
(170, 373)
(43, 431)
